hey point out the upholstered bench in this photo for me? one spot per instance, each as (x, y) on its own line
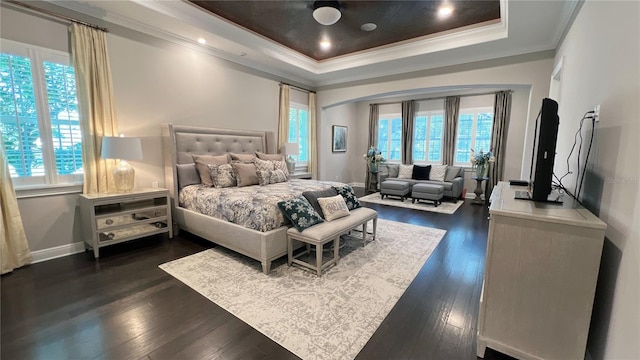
(395, 188)
(327, 231)
(427, 192)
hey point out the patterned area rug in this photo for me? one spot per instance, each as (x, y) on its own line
(328, 317)
(446, 207)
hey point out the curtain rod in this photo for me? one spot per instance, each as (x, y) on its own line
(56, 15)
(440, 97)
(297, 88)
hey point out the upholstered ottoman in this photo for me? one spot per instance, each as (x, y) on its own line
(395, 188)
(427, 192)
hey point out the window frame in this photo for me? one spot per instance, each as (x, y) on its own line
(429, 114)
(474, 127)
(301, 166)
(390, 117)
(27, 186)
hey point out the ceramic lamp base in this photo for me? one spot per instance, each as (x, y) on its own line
(291, 164)
(124, 175)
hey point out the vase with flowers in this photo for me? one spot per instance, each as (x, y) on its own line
(373, 158)
(480, 162)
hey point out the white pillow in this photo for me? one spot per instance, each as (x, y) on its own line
(405, 172)
(438, 172)
(333, 207)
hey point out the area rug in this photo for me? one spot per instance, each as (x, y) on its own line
(327, 317)
(445, 208)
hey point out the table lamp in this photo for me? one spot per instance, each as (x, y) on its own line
(122, 148)
(289, 149)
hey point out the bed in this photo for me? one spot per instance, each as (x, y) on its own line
(179, 144)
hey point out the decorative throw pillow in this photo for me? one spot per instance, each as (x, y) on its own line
(187, 175)
(452, 173)
(275, 157)
(245, 174)
(312, 197)
(349, 196)
(203, 170)
(222, 175)
(421, 172)
(405, 171)
(266, 177)
(245, 158)
(333, 207)
(300, 213)
(438, 172)
(263, 165)
(281, 165)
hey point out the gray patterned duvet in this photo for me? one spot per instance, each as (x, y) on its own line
(254, 207)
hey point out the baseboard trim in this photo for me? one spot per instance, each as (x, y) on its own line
(56, 252)
(355, 184)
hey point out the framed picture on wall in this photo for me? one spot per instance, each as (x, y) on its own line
(339, 138)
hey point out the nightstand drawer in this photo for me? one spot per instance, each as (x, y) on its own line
(130, 217)
(132, 232)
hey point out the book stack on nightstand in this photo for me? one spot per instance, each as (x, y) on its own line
(109, 219)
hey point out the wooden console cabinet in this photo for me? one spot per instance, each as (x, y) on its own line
(540, 277)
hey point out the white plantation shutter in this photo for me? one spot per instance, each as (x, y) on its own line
(39, 115)
(299, 131)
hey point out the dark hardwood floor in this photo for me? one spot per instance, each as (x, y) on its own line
(124, 307)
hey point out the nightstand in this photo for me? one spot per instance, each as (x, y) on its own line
(113, 218)
(300, 175)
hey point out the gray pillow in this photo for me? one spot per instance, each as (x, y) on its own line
(452, 173)
(245, 174)
(187, 175)
(393, 170)
(263, 156)
(245, 158)
(201, 164)
(312, 197)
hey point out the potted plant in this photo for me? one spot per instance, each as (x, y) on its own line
(373, 158)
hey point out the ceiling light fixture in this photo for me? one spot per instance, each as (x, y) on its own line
(325, 44)
(202, 41)
(326, 12)
(445, 11)
(368, 27)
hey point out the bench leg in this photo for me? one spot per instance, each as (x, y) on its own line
(364, 233)
(336, 249)
(289, 250)
(319, 259)
(375, 226)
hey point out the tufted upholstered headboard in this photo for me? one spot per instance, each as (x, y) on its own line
(180, 142)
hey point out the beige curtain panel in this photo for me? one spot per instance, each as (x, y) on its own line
(95, 103)
(501, 116)
(14, 248)
(451, 110)
(283, 122)
(313, 136)
(408, 112)
(373, 135)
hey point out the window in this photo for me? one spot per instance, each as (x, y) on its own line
(39, 115)
(474, 132)
(299, 132)
(390, 137)
(427, 137)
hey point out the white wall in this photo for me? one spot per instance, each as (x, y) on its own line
(343, 166)
(601, 66)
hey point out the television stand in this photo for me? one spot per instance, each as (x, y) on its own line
(555, 197)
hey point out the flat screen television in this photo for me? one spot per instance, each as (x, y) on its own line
(543, 154)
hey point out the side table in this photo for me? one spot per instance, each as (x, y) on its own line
(478, 191)
(372, 185)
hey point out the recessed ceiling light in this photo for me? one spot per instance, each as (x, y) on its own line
(325, 44)
(445, 11)
(368, 27)
(202, 41)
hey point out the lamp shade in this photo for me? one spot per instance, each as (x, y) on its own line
(326, 12)
(124, 148)
(291, 149)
